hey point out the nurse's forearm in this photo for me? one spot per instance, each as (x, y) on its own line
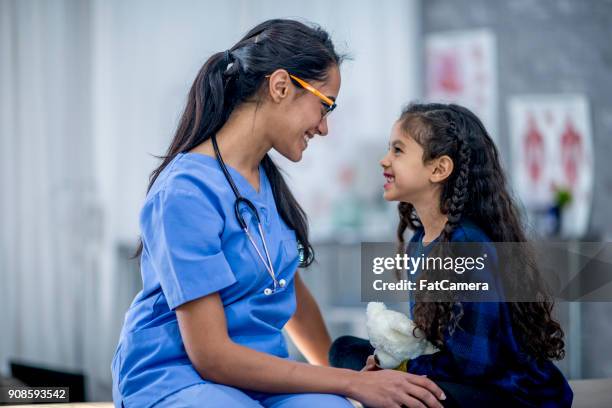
(307, 328)
(216, 357)
(244, 367)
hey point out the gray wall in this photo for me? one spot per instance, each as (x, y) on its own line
(554, 46)
(547, 46)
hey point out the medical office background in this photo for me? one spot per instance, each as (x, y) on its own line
(91, 91)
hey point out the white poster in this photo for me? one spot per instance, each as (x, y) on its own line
(552, 151)
(461, 68)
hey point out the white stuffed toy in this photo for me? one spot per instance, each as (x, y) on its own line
(391, 334)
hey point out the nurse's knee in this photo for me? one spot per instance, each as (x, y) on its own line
(312, 400)
(208, 395)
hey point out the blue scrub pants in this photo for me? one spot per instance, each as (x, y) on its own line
(217, 395)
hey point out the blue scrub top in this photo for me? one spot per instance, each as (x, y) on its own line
(193, 246)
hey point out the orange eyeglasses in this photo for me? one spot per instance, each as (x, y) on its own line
(328, 104)
(326, 101)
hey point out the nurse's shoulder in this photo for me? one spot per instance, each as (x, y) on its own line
(191, 173)
(191, 182)
(182, 222)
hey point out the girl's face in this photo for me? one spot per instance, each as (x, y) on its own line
(407, 178)
(299, 115)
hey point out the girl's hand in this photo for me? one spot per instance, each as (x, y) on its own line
(371, 364)
(389, 388)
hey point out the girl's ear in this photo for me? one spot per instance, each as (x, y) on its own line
(278, 85)
(442, 168)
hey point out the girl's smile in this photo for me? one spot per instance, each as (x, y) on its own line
(390, 179)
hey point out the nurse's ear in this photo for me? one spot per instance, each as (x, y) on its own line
(279, 85)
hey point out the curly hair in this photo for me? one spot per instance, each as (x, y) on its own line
(477, 189)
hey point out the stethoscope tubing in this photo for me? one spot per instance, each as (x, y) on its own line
(242, 200)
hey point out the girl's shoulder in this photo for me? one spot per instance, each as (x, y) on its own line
(473, 240)
(466, 231)
(469, 231)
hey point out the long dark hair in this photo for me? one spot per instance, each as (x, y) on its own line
(476, 189)
(232, 77)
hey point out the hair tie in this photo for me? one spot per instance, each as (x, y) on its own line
(227, 58)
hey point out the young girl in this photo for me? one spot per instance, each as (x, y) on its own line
(444, 169)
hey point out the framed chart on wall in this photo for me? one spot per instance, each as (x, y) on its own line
(552, 154)
(461, 67)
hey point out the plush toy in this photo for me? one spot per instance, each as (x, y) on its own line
(391, 334)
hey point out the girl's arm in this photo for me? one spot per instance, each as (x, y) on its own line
(216, 357)
(473, 349)
(307, 328)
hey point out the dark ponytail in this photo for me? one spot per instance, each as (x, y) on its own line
(476, 189)
(235, 76)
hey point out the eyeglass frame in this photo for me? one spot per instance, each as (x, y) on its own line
(329, 103)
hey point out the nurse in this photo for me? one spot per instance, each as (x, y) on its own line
(222, 238)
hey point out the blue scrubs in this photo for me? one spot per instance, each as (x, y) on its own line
(193, 246)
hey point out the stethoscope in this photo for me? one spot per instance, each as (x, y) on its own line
(239, 217)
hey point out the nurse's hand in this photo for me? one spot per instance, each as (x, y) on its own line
(390, 388)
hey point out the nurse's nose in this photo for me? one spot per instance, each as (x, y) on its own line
(322, 128)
